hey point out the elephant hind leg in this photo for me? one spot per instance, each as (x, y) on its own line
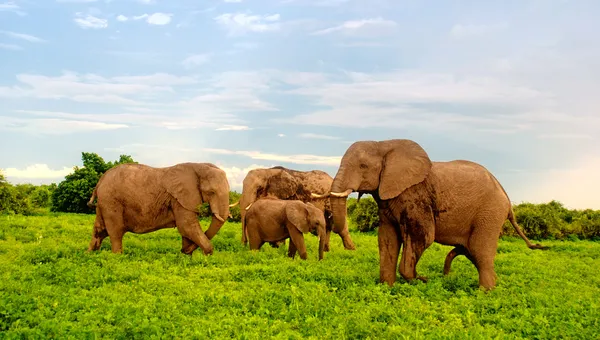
(99, 233)
(482, 247)
(457, 251)
(115, 226)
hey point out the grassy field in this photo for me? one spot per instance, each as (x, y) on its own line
(51, 288)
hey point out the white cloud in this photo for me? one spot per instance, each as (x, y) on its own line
(371, 26)
(54, 126)
(233, 1)
(280, 135)
(147, 2)
(86, 21)
(159, 19)
(296, 159)
(236, 175)
(23, 36)
(317, 136)
(241, 23)
(92, 87)
(461, 31)
(233, 128)
(122, 18)
(577, 186)
(37, 171)
(77, 1)
(11, 6)
(10, 47)
(195, 60)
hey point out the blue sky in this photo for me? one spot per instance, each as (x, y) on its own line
(512, 85)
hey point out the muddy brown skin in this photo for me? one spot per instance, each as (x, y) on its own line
(457, 203)
(274, 220)
(140, 199)
(287, 184)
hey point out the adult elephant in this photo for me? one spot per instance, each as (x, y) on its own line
(287, 184)
(139, 198)
(457, 203)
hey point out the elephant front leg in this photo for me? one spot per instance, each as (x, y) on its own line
(292, 249)
(417, 235)
(297, 238)
(389, 243)
(188, 227)
(187, 246)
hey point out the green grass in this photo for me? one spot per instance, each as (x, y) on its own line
(49, 287)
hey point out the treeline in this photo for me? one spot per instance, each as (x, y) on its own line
(538, 221)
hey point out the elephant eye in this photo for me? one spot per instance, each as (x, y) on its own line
(363, 166)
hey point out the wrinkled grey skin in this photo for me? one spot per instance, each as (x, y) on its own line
(140, 199)
(457, 203)
(287, 184)
(273, 220)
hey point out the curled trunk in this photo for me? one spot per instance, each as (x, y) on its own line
(220, 211)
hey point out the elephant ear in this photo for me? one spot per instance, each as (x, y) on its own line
(297, 214)
(182, 182)
(404, 165)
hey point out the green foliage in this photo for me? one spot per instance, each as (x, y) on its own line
(52, 288)
(74, 192)
(23, 199)
(364, 213)
(553, 221)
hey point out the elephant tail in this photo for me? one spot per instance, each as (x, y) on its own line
(513, 221)
(90, 203)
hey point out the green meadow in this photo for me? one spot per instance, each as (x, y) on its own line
(51, 288)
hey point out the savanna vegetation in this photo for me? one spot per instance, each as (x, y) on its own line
(51, 288)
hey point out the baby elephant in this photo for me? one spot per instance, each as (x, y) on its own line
(273, 220)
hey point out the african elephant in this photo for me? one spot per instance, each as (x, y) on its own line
(138, 198)
(457, 203)
(287, 184)
(273, 220)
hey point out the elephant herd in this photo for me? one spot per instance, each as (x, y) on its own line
(457, 203)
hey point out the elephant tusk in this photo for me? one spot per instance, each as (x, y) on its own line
(359, 196)
(313, 195)
(229, 216)
(219, 218)
(234, 204)
(248, 207)
(341, 194)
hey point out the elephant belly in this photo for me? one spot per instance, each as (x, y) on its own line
(141, 221)
(452, 230)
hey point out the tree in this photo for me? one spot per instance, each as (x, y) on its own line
(73, 193)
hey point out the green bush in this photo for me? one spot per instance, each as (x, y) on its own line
(74, 192)
(364, 213)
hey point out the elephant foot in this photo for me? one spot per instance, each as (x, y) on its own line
(422, 279)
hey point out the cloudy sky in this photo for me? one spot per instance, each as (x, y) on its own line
(511, 84)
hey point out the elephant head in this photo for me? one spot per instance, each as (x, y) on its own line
(381, 168)
(267, 183)
(307, 218)
(193, 184)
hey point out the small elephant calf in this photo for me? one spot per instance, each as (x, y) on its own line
(273, 220)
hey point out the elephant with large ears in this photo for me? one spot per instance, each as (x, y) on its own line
(138, 198)
(287, 184)
(457, 203)
(273, 220)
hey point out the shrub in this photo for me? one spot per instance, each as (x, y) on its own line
(364, 213)
(74, 192)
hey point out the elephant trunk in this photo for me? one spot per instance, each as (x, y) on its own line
(220, 211)
(338, 204)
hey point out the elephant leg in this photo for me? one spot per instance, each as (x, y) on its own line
(482, 247)
(99, 233)
(457, 251)
(188, 227)
(292, 249)
(115, 227)
(417, 235)
(297, 238)
(187, 246)
(327, 238)
(389, 243)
